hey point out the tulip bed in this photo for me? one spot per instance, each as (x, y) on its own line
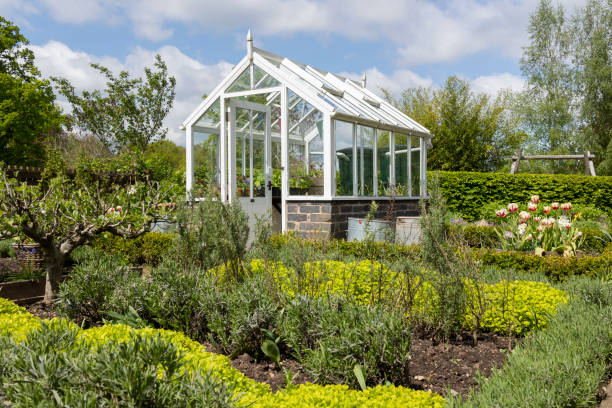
(16, 325)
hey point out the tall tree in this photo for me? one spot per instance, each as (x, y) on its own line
(592, 48)
(472, 132)
(549, 97)
(129, 113)
(27, 110)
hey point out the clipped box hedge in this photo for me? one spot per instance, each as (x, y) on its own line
(466, 192)
(554, 267)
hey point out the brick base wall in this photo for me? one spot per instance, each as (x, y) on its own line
(325, 219)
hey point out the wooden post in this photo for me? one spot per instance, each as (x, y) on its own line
(515, 162)
(591, 167)
(586, 162)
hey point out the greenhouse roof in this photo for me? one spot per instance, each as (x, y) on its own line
(340, 97)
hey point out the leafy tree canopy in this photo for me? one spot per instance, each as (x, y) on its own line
(27, 110)
(129, 113)
(472, 132)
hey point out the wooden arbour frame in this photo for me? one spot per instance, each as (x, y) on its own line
(589, 168)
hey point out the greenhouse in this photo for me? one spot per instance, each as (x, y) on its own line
(309, 146)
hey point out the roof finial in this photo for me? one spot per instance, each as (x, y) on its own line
(250, 44)
(363, 80)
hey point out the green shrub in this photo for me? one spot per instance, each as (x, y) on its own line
(147, 249)
(85, 296)
(518, 307)
(554, 267)
(332, 335)
(475, 236)
(6, 249)
(467, 193)
(561, 366)
(140, 372)
(211, 233)
(237, 319)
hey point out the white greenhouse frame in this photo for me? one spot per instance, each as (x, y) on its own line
(336, 97)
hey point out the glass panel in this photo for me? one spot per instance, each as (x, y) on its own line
(415, 165)
(344, 158)
(262, 79)
(242, 83)
(205, 164)
(401, 165)
(206, 173)
(210, 118)
(365, 160)
(305, 147)
(259, 153)
(383, 171)
(250, 152)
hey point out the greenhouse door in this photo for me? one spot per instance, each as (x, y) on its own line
(249, 152)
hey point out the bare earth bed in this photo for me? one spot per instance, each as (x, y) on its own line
(434, 367)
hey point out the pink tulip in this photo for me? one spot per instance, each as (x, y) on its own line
(501, 213)
(535, 199)
(568, 226)
(546, 210)
(532, 206)
(513, 207)
(119, 208)
(529, 237)
(555, 206)
(509, 234)
(566, 206)
(540, 228)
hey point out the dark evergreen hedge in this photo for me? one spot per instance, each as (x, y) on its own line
(466, 192)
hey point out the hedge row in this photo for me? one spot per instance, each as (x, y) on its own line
(466, 192)
(17, 324)
(554, 267)
(380, 251)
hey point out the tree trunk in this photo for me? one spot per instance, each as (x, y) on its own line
(55, 265)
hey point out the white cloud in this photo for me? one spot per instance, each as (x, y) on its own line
(492, 84)
(395, 82)
(192, 77)
(421, 31)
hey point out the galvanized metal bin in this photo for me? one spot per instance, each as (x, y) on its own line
(359, 229)
(407, 230)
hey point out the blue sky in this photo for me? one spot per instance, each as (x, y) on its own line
(398, 43)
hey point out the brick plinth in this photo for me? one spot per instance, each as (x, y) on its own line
(325, 219)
